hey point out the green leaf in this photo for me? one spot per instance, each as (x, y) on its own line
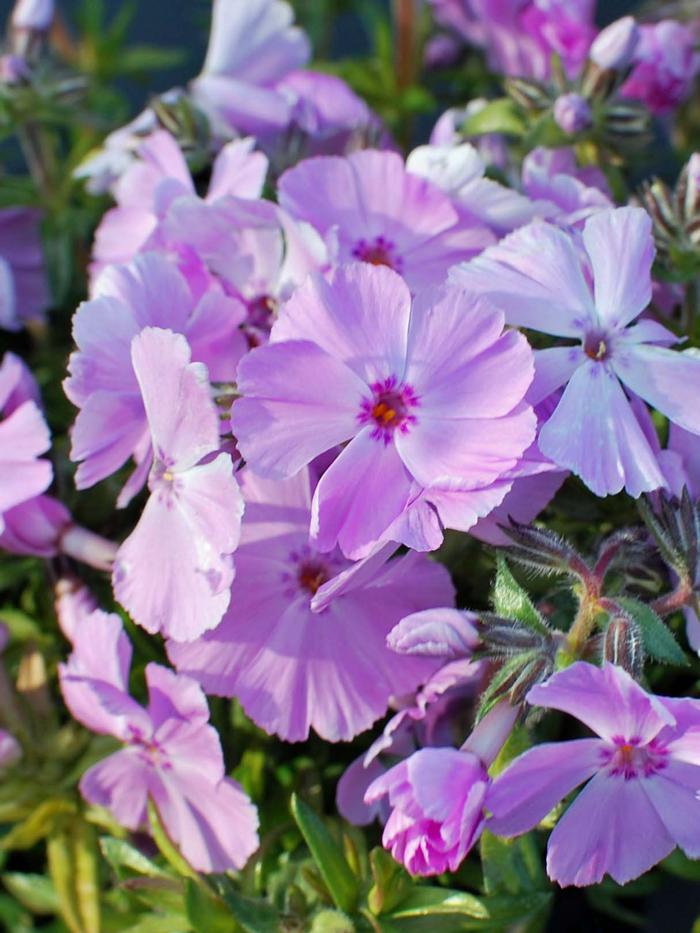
(328, 855)
(465, 911)
(511, 866)
(169, 923)
(35, 892)
(253, 916)
(658, 640)
(41, 822)
(391, 882)
(499, 116)
(511, 601)
(140, 58)
(121, 855)
(206, 912)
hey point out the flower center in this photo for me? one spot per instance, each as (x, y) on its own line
(262, 312)
(627, 758)
(312, 575)
(597, 346)
(378, 252)
(389, 409)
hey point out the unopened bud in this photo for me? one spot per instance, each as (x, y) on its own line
(36, 15)
(622, 645)
(572, 113)
(615, 46)
(10, 751)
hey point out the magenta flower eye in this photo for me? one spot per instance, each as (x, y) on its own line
(389, 409)
(378, 252)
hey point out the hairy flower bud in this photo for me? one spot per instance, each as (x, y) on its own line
(36, 15)
(572, 113)
(615, 45)
(622, 645)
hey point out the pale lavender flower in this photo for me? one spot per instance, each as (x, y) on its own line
(643, 774)
(591, 290)
(24, 436)
(158, 179)
(252, 46)
(111, 424)
(382, 214)
(316, 656)
(191, 522)
(520, 36)
(563, 193)
(428, 391)
(33, 14)
(171, 754)
(24, 293)
(665, 66)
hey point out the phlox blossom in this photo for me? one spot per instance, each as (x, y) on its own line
(592, 289)
(382, 214)
(171, 754)
(429, 392)
(642, 774)
(302, 644)
(191, 523)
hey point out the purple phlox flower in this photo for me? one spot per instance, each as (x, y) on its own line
(665, 66)
(520, 37)
(252, 47)
(382, 214)
(433, 717)
(564, 193)
(24, 293)
(191, 523)
(438, 796)
(72, 601)
(428, 391)
(316, 657)
(171, 754)
(35, 527)
(24, 436)
(572, 113)
(459, 171)
(111, 424)
(642, 774)
(103, 168)
(591, 289)
(330, 117)
(159, 178)
(257, 252)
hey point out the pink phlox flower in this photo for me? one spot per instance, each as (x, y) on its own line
(382, 214)
(191, 522)
(428, 391)
(24, 292)
(641, 775)
(24, 436)
(111, 424)
(316, 657)
(592, 289)
(170, 755)
(666, 64)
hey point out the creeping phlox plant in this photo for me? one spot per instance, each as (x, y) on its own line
(349, 478)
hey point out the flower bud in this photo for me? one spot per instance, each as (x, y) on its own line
(10, 752)
(36, 15)
(622, 645)
(614, 47)
(572, 113)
